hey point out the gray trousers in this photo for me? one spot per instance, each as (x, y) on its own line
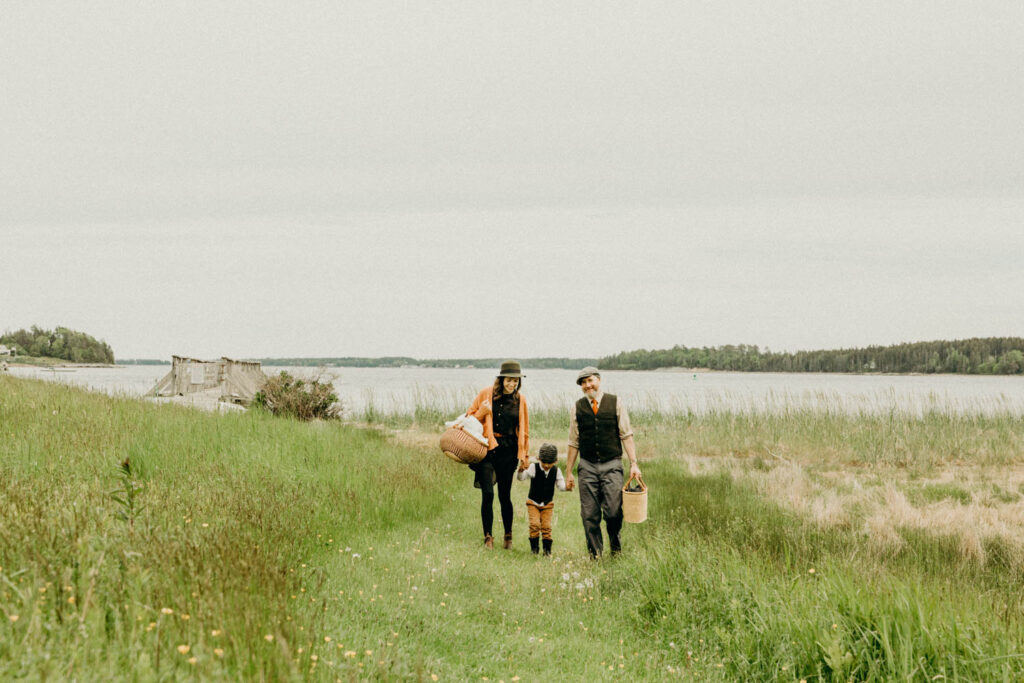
(601, 495)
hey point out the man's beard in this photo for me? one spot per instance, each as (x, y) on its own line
(592, 394)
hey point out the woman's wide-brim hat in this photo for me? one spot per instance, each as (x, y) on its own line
(511, 368)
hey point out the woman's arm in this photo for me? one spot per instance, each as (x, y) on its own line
(524, 431)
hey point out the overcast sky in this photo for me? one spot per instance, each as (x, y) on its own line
(511, 179)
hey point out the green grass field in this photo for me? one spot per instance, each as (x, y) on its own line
(244, 547)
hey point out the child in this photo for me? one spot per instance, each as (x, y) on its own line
(540, 501)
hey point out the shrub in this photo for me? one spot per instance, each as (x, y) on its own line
(305, 399)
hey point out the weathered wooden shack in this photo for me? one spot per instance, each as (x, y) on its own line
(237, 380)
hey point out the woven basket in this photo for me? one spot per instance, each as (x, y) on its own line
(461, 447)
(634, 503)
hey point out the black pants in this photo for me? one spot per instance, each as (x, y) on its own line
(499, 466)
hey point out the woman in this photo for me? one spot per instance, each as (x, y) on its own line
(502, 410)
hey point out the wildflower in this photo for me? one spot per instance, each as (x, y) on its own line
(167, 610)
(215, 632)
(183, 649)
(672, 645)
(192, 661)
(811, 570)
(350, 653)
(13, 618)
(185, 617)
(219, 652)
(369, 652)
(433, 677)
(269, 638)
(327, 639)
(205, 525)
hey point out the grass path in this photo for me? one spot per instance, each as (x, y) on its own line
(264, 549)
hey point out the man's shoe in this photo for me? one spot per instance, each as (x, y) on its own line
(535, 545)
(508, 541)
(489, 542)
(547, 546)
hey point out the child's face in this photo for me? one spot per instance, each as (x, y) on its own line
(547, 465)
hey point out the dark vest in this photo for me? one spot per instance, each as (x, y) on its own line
(542, 486)
(599, 434)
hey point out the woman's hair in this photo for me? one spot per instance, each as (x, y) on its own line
(499, 388)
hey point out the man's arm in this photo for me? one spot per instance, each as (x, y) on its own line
(626, 436)
(574, 449)
(570, 481)
(630, 448)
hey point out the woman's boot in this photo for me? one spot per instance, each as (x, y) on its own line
(547, 546)
(489, 542)
(508, 541)
(534, 545)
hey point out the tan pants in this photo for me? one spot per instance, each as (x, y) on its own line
(540, 519)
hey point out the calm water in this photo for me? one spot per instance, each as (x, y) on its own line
(398, 390)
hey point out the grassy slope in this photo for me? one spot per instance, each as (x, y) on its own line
(328, 551)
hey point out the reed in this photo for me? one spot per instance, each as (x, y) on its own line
(920, 436)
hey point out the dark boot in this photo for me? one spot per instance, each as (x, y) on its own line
(508, 541)
(489, 542)
(547, 546)
(534, 545)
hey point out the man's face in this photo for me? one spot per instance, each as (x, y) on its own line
(591, 385)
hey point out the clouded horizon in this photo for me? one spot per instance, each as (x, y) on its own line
(487, 180)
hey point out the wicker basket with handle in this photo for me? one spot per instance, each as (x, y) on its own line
(458, 445)
(634, 503)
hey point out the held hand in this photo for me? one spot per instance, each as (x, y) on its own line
(570, 481)
(634, 470)
(523, 464)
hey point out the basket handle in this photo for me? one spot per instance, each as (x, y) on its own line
(638, 478)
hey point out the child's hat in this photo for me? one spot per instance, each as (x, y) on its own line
(548, 453)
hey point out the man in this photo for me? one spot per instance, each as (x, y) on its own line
(599, 432)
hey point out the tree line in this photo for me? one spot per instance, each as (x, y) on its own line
(978, 356)
(62, 343)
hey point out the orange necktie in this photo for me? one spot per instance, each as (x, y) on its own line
(593, 404)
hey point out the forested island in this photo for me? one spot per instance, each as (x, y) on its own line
(61, 343)
(987, 356)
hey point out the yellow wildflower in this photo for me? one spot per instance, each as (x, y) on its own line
(183, 649)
